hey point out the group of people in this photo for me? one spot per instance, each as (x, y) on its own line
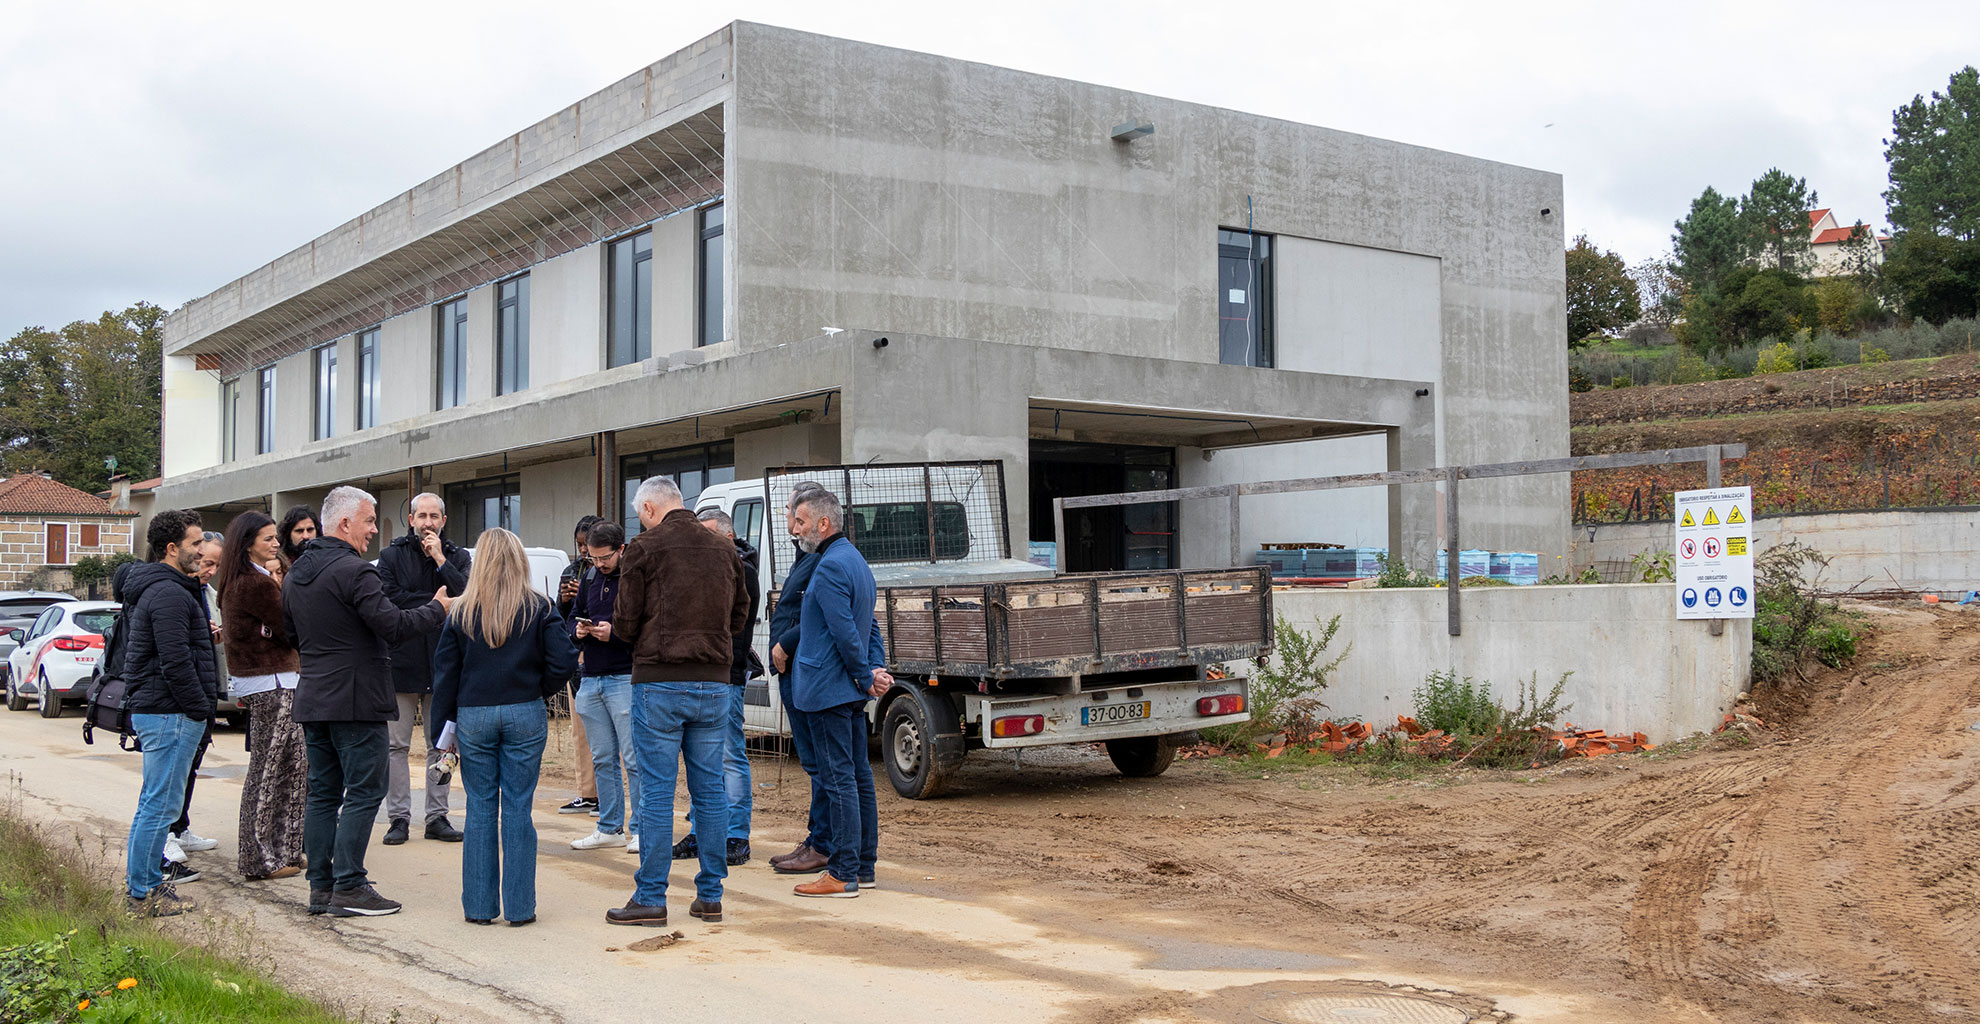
(336, 658)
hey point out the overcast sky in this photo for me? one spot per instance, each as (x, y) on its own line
(158, 151)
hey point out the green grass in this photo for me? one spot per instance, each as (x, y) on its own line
(65, 937)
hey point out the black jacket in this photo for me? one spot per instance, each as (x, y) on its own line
(746, 662)
(532, 665)
(336, 613)
(168, 654)
(790, 600)
(597, 595)
(410, 578)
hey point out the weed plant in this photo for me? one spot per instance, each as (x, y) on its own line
(1792, 623)
(1285, 693)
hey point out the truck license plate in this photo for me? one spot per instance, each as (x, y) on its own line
(1107, 714)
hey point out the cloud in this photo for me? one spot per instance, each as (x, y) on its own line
(160, 151)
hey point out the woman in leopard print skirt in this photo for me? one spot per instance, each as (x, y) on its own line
(263, 665)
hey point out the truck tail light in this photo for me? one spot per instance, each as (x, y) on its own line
(71, 643)
(1222, 704)
(1017, 725)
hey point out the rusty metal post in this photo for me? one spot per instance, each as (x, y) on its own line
(1451, 574)
(1237, 543)
(1059, 534)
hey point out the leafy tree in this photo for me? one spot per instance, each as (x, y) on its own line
(1659, 288)
(71, 399)
(1775, 213)
(1710, 242)
(1934, 157)
(1933, 277)
(1601, 297)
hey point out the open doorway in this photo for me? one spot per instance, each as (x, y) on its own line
(1116, 539)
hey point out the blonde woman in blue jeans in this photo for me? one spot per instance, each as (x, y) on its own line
(504, 649)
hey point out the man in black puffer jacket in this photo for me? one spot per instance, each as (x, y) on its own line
(339, 619)
(412, 567)
(173, 683)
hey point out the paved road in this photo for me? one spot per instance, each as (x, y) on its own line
(927, 946)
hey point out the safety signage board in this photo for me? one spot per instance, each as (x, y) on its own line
(1714, 564)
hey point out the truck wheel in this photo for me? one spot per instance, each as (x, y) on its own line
(918, 764)
(51, 702)
(1142, 756)
(15, 700)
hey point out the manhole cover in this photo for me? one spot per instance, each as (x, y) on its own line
(1368, 1009)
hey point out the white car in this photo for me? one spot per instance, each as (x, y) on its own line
(54, 657)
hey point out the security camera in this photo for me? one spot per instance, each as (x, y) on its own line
(879, 343)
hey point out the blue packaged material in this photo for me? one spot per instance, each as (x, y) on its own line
(1519, 568)
(1471, 562)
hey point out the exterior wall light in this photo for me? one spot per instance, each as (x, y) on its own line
(1132, 130)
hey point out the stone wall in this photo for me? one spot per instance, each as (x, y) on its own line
(24, 546)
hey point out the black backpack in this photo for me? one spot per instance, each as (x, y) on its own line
(107, 688)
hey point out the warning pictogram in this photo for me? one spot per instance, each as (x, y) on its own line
(1687, 520)
(1734, 516)
(1711, 516)
(1711, 547)
(1735, 545)
(1688, 548)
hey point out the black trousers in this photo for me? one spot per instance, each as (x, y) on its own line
(347, 778)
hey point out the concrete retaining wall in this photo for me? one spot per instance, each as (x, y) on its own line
(1934, 550)
(1636, 667)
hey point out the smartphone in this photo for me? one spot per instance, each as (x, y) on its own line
(582, 621)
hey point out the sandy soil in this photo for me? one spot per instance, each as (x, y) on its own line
(1826, 874)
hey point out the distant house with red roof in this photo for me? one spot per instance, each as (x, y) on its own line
(1828, 244)
(45, 524)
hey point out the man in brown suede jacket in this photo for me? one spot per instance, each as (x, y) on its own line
(681, 602)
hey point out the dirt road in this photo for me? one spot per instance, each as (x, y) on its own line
(1824, 877)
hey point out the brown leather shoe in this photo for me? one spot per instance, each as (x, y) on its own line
(796, 851)
(287, 871)
(638, 914)
(801, 863)
(828, 887)
(709, 912)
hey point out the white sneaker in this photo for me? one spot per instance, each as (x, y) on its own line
(599, 840)
(173, 851)
(192, 842)
(632, 845)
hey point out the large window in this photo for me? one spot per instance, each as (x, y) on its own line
(264, 410)
(629, 299)
(709, 299)
(367, 379)
(1244, 299)
(512, 335)
(691, 468)
(323, 372)
(230, 419)
(450, 356)
(479, 504)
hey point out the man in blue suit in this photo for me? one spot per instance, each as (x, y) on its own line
(840, 666)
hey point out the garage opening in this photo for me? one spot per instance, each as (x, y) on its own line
(1115, 539)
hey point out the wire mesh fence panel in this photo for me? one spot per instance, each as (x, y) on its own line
(902, 513)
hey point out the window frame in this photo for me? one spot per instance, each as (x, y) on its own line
(264, 409)
(708, 301)
(636, 347)
(230, 419)
(465, 510)
(450, 338)
(368, 379)
(323, 391)
(1255, 248)
(709, 460)
(512, 353)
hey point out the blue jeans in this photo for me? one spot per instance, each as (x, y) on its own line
(672, 723)
(735, 769)
(605, 705)
(169, 743)
(501, 753)
(804, 743)
(848, 780)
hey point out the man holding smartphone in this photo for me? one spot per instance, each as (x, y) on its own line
(604, 695)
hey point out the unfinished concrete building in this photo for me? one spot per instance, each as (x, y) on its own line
(776, 248)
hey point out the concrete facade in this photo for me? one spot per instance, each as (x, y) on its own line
(1035, 281)
(1636, 667)
(1931, 550)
